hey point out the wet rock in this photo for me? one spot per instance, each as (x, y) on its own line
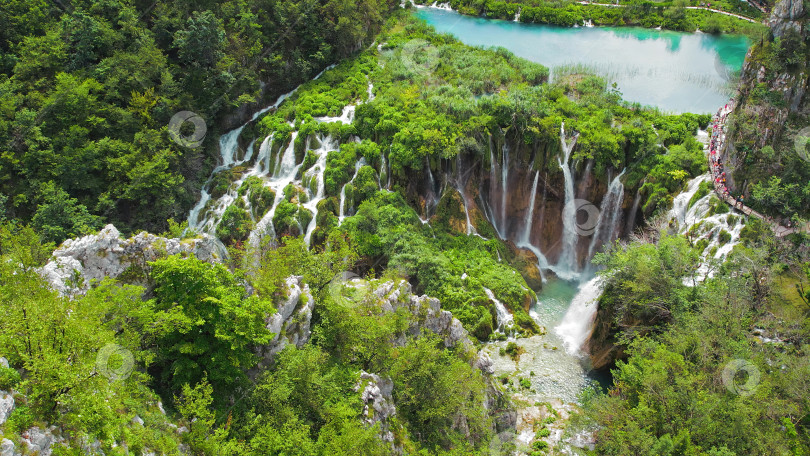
(77, 263)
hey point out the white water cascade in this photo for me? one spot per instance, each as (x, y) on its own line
(577, 323)
(525, 240)
(567, 263)
(342, 211)
(609, 215)
(505, 319)
(493, 179)
(277, 175)
(504, 176)
(720, 230)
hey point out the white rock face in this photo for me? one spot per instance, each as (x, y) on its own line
(7, 448)
(35, 439)
(379, 403)
(291, 322)
(79, 262)
(426, 310)
(6, 405)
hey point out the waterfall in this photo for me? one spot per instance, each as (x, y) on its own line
(493, 179)
(609, 212)
(316, 172)
(567, 262)
(460, 186)
(709, 227)
(631, 219)
(342, 212)
(527, 231)
(262, 165)
(288, 164)
(504, 175)
(505, 319)
(525, 241)
(681, 202)
(583, 181)
(577, 323)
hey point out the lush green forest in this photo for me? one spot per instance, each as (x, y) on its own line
(669, 396)
(88, 89)
(171, 355)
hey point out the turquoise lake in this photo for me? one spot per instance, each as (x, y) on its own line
(676, 72)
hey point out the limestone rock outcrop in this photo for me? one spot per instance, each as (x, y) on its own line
(77, 263)
(426, 311)
(375, 392)
(290, 323)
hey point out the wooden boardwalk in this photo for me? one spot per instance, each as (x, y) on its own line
(720, 188)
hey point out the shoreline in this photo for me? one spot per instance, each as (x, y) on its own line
(589, 23)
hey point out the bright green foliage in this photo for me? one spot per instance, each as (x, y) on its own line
(432, 387)
(669, 397)
(388, 231)
(235, 224)
(203, 324)
(307, 405)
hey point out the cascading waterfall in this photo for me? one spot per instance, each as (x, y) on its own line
(525, 240)
(504, 187)
(460, 186)
(506, 321)
(342, 211)
(567, 263)
(609, 213)
(697, 220)
(205, 216)
(578, 320)
(493, 179)
(631, 219)
(583, 182)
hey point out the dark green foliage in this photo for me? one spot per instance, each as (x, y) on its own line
(59, 216)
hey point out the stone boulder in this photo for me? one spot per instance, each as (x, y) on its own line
(39, 441)
(77, 263)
